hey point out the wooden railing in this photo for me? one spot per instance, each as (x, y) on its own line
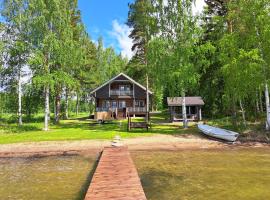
(136, 109)
(99, 109)
(128, 109)
(121, 92)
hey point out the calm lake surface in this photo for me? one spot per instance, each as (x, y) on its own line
(166, 175)
(47, 178)
(205, 174)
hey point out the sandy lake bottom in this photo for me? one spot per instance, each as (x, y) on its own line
(205, 174)
(238, 173)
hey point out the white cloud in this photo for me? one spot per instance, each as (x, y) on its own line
(121, 33)
(165, 2)
(198, 7)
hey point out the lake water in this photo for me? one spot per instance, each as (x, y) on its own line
(47, 178)
(237, 174)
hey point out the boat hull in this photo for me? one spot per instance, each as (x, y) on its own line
(219, 133)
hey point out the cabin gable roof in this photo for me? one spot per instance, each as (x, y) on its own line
(120, 76)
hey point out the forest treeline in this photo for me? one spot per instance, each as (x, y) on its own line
(223, 55)
(49, 62)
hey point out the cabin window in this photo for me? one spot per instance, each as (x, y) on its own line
(114, 104)
(139, 103)
(122, 104)
(106, 104)
(124, 87)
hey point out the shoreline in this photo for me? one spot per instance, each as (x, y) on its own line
(85, 147)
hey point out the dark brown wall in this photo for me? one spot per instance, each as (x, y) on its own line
(139, 93)
(103, 92)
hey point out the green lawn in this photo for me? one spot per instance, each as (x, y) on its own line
(81, 129)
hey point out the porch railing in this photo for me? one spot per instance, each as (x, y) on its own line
(136, 109)
(121, 92)
(99, 109)
(128, 109)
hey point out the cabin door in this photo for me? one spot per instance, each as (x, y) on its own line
(123, 107)
(114, 108)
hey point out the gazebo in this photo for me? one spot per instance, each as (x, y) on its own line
(193, 108)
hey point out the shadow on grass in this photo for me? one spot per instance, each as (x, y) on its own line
(85, 186)
(159, 125)
(89, 125)
(19, 129)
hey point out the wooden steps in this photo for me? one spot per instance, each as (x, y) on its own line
(116, 177)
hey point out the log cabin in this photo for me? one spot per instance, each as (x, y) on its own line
(120, 97)
(193, 108)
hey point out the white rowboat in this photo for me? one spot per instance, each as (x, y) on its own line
(218, 132)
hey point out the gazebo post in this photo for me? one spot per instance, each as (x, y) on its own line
(200, 113)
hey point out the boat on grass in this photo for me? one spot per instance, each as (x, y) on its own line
(218, 132)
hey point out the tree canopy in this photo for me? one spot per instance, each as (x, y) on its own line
(221, 54)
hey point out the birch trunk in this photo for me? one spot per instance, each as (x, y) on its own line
(267, 107)
(20, 83)
(66, 105)
(47, 108)
(257, 103)
(57, 108)
(234, 113)
(77, 104)
(184, 111)
(147, 100)
(20, 98)
(243, 113)
(260, 100)
(266, 91)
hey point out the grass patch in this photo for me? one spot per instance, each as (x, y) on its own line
(82, 128)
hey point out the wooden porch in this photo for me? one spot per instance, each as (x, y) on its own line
(119, 113)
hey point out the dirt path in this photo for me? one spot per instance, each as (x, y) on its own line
(156, 142)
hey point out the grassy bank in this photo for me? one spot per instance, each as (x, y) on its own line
(81, 128)
(253, 130)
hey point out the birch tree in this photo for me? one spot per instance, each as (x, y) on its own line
(16, 45)
(179, 33)
(45, 21)
(250, 21)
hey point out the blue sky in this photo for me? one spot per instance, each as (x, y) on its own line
(107, 18)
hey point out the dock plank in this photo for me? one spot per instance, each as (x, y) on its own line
(116, 177)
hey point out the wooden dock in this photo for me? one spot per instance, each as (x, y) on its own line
(116, 177)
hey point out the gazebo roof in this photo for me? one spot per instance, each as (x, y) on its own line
(190, 101)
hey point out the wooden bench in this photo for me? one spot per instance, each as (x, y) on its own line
(137, 124)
